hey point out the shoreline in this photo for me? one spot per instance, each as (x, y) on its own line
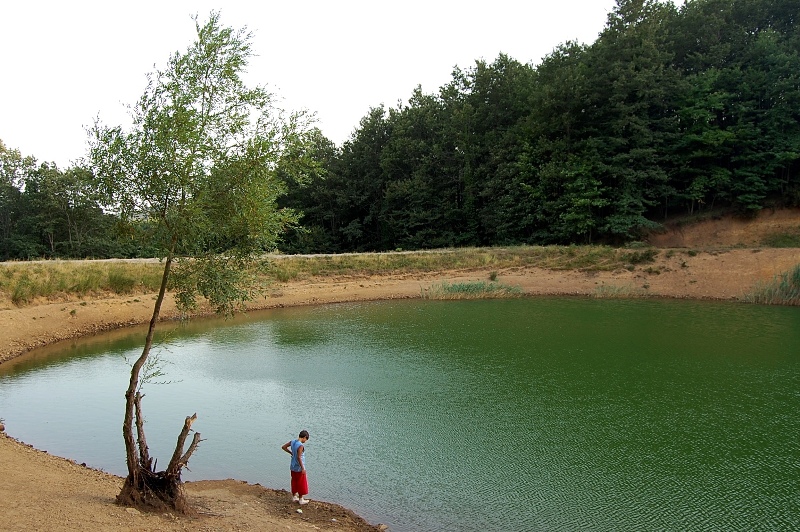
(36, 485)
(718, 274)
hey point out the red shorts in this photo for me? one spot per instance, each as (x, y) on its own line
(299, 483)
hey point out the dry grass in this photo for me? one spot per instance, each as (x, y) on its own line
(588, 258)
(24, 282)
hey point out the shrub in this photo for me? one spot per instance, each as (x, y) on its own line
(639, 257)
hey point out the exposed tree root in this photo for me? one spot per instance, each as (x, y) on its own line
(163, 490)
(154, 492)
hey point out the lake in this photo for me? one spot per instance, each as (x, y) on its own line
(522, 414)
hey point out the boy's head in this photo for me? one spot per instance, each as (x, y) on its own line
(304, 434)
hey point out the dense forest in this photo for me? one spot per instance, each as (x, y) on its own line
(672, 110)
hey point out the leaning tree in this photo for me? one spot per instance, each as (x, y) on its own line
(201, 167)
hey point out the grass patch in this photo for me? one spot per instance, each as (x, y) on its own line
(782, 240)
(22, 291)
(121, 281)
(783, 289)
(471, 290)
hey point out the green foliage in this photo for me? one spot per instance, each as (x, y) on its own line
(203, 166)
(671, 110)
(46, 212)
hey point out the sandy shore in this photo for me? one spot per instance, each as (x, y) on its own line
(42, 492)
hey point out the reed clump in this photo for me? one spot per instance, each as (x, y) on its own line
(783, 289)
(471, 290)
(619, 292)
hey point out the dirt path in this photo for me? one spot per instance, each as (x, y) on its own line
(42, 492)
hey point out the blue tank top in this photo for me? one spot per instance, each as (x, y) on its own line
(295, 465)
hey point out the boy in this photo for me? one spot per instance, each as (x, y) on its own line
(297, 467)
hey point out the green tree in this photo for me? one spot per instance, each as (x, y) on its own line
(45, 192)
(739, 118)
(363, 228)
(62, 212)
(488, 106)
(14, 168)
(199, 163)
(317, 199)
(631, 111)
(424, 199)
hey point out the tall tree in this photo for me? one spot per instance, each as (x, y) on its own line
(200, 163)
(740, 126)
(317, 199)
(13, 168)
(363, 228)
(568, 195)
(423, 201)
(62, 212)
(632, 112)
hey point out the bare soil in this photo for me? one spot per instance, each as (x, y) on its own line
(716, 259)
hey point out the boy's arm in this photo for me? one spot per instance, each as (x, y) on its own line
(300, 458)
(286, 446)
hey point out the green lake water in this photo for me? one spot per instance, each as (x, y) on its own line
(526, 414)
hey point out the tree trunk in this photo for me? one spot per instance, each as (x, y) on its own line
(144, 487)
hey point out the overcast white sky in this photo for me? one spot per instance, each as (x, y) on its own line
(65, 62)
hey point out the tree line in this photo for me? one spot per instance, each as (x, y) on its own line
(672, 110)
